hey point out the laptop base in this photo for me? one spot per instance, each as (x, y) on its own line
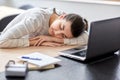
(93, 60)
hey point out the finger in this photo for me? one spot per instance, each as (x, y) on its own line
(54, 44)
(40, 42)
(35, 38)
(37, 42)
(49, 44)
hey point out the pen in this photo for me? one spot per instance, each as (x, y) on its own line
(25, 57)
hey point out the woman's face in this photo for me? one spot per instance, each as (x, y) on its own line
(61, 28)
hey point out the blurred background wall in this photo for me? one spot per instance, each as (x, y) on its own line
(89, 10)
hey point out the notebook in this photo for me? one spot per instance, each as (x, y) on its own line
(104, 40)
(39, 59)
(32, 67)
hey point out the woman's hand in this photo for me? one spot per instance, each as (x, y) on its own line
(40, 39)
(32, 42)
(43, 37)
(51, 44)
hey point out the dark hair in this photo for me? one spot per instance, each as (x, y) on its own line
(78, 24)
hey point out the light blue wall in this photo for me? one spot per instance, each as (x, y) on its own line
(91, 11)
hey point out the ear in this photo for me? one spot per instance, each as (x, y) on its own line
(62, 16)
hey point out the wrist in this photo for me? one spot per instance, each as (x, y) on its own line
(31, 43)
(59, 40)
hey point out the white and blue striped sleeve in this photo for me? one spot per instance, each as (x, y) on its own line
(80, 40)
(13, 37)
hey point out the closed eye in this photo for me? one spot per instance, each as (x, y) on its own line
(62, 28)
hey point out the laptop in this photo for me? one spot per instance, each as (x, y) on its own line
(104, 40)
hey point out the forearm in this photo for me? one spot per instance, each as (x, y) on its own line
(58, 40)
(13, 43)
(38, 40)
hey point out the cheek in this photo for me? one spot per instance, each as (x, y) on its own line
(50, 31)
(54, 25)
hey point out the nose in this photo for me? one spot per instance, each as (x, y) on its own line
(57, 32)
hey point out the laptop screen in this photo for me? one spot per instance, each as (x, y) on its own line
(104, 37)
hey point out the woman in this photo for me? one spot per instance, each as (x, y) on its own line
(44, 27)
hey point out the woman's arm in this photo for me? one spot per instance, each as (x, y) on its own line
(81, 40)
(37, 41)
(47, 43)
(12, 43)
(12, 35)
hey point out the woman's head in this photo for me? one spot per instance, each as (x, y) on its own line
(67, 26)
(78, 24)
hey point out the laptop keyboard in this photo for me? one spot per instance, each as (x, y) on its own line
(80, 53)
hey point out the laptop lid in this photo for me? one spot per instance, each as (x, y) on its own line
(104, 37)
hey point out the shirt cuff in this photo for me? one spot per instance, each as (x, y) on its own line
(25, 42)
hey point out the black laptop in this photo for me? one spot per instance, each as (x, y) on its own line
(104, 39)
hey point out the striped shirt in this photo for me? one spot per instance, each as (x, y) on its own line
(31, 23)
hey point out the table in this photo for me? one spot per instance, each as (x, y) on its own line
(69, 69)
(12, 54)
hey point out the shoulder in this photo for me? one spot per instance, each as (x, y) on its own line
(37, 10)
(58, 11)
(84, 33)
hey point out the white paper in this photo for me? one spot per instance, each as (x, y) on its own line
(45, 59)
